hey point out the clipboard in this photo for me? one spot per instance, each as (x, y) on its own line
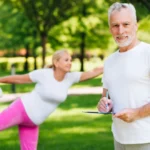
(97, 112)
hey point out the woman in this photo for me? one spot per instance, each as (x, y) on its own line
(31, 109)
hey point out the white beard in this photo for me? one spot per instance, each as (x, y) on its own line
(126, 43)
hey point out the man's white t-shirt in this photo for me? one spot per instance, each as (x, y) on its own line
(127, 78)
(47, 94)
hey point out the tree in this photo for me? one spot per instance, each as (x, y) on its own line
(45, 14)
(18, 30)
(87, 29)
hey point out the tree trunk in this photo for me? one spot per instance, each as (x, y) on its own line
(43, 40)
(83, 35)
(26, 64)
(82, 50)
(35, 62)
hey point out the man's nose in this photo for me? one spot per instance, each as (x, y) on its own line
(120, 29)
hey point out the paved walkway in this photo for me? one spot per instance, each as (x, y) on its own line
(72, 91)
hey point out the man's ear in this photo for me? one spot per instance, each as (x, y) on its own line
(136, 26)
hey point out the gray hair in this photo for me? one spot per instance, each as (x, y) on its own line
(118, 6)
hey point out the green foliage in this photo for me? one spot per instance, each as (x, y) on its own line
(80, 26)
(91, 19)
(15, 26)
(144, 29)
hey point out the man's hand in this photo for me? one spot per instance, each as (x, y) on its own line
(128, 115)
(104, 105)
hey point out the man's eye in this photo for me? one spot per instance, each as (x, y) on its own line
(116, 25)
(126, 24)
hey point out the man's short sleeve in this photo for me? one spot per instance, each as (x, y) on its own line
(104, 82)
(104, 78)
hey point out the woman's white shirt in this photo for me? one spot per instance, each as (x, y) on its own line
(47, 94)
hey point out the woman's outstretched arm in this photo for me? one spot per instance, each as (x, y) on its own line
(17, 79)
(91, 74)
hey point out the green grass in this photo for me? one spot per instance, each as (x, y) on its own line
(68, 128)
(89, 83)
(21, 88)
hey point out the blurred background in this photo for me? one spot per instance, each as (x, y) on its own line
(31, 31)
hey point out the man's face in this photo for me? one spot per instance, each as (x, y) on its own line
(123, 27)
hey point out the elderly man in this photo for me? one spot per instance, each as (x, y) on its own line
(127, 79)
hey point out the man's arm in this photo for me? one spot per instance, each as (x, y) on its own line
(132, 114)
(105, 104)
(144, 111)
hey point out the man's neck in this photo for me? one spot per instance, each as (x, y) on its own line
(126, 48)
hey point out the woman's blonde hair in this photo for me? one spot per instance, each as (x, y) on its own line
(56, 56)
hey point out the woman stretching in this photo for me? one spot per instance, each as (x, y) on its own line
(31, 109)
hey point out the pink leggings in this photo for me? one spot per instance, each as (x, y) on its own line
(15, 115)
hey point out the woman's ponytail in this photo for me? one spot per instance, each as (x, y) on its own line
(48, 66)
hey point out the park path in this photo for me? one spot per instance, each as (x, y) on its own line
(72, 91)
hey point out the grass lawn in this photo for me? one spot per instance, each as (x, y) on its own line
(21, 88)
(68, 128)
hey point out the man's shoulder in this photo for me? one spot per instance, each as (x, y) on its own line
(145, 48)
(111, 56)
(146, 45)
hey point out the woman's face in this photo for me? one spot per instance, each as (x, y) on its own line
(64, 63)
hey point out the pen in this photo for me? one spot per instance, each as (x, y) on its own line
(107, 107)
